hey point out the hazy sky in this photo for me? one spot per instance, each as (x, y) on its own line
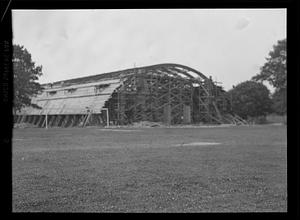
(229, 44)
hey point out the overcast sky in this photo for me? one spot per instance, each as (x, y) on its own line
(229, 44)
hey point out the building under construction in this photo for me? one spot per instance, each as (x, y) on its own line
(166, 93)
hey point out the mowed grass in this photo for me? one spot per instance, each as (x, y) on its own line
(150, 170)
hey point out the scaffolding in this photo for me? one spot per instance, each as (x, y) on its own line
(157, 97)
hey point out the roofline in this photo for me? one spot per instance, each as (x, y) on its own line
(116, 74)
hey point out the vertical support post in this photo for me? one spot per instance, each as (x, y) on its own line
(61, 119)
(81, 120)
(169, 108)
(76, 120)
(192, 103)
(51, 119)
(119, 109)
(69, 121)
(181, 101)
(107, 116)
(100, 120)
(73, 119)
(65, 121)
(98, 116)
(167, 114)
(186, 114)
(46, 121)
(199, 97)
(151, 96)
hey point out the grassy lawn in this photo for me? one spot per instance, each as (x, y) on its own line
(150, 169)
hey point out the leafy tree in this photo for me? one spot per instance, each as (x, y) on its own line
(250, 99)
(279, 101)
(274, 72)
(25, 76)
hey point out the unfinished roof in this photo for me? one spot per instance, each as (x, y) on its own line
(167, 68)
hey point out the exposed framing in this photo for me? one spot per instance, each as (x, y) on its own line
(168, 93)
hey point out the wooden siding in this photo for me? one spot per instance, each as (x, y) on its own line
(79, 100)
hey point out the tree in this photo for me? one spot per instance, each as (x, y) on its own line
(250, 99)
(274, 72)
(279, 101)
(25, 76)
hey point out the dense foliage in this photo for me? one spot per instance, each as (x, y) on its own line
(250, 99)
(274, 71)
(279, 101)
(25, 75)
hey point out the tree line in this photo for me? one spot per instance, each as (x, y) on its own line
(252, 99)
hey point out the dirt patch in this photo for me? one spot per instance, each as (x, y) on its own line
(198, 144)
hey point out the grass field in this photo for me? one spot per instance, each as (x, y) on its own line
(150, 169)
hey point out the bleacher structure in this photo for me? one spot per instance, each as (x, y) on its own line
(167, 93)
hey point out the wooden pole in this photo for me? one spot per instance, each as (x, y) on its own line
(107, 116)
(46, 121)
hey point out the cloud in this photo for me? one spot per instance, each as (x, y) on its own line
(242, 23)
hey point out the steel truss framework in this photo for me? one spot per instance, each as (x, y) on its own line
(169, 93)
